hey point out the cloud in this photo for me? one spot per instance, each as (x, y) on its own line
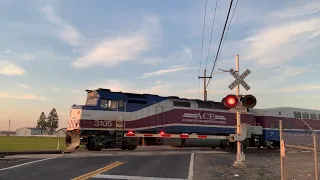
(158, 82)
(55, 89)
(7, 51)
(10, 69)
(66, 31)
(171, 69)
(300, 88)
(24, 86)
(10, 95)
(281, 43)
(114, 51)
(152, 60)
(185, 54)
(298, 9)
(292, 71)
(126, 47)
(28, 56)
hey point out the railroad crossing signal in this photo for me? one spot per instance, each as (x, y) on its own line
(239, 103)
(239, 79)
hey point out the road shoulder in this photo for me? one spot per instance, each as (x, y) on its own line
(219, 166)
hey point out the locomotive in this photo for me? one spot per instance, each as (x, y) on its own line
(126, 120)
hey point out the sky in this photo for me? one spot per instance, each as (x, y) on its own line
(51, 51)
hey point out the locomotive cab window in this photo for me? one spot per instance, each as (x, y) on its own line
(112, 104)
(319, 116)
(121, 104)
(297, 115)
(305, 115)
(104, 103)
(108, 104)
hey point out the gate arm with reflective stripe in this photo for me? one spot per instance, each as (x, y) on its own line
(177, 136)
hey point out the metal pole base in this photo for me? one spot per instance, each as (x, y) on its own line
(240, 160)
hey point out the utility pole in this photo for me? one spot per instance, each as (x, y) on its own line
(240, 156)
(205, 77)
(9, 126)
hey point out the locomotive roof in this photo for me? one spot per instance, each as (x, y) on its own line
(107, 92)
(289, 109)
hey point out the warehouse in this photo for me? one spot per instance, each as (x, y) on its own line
(25, 131)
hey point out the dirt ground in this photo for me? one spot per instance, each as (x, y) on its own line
(259, 166)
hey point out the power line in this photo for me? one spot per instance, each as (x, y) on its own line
(214, 17)
(228, 28)
(224, 28)
(203, 28)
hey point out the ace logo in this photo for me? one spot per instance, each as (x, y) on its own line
(203, 116)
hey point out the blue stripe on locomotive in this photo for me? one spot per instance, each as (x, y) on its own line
(130, 107)
(149, 99)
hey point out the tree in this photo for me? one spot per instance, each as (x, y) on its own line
(53, 121)
(41, 122)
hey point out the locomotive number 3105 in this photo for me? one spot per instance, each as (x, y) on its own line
(102, 123)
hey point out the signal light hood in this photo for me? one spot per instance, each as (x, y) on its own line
(249, 101)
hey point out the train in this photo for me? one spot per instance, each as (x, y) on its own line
(126, 120)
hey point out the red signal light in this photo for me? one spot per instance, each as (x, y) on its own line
(230, 101)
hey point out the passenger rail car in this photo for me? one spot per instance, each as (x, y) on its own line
(292, 120)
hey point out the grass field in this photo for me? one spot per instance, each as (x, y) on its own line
(14, 143)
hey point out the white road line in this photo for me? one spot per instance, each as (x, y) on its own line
(19, 165)
(190, 175)
(106, 176)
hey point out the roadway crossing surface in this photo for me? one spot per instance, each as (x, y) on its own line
(170, 166)
(151, 164)
(154, 163)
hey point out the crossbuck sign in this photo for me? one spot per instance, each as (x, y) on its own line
(239, 79)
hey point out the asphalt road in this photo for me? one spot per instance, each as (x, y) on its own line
(109, 167)
(152, 163)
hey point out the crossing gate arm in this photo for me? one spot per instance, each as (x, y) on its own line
(186, 136)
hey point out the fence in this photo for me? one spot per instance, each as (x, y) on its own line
(299, 152)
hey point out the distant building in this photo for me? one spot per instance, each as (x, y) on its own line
(60, 133)
(6, 133)
(25, 131)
